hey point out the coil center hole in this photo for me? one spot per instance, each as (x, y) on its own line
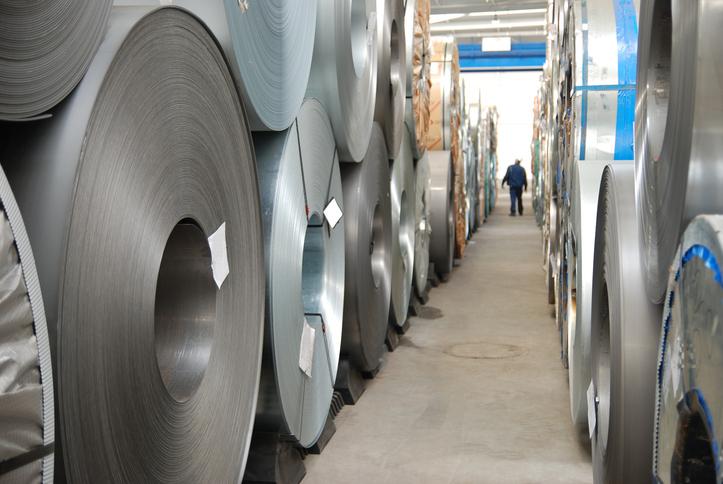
(659, 76)
(312, 265)
(376, 246)
(185, 310)
(394, 60)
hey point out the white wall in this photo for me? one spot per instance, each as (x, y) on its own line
(513, 93)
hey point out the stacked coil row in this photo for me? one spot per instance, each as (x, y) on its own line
(626, 193)
(225, 202)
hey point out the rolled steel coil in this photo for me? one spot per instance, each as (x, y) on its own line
(605, 57)
(300, 184)
(45, 49)
(391, 72)
(550, 251)
(444, 126)
(441, 211)
(561, 287)
(580, 251)
(269, 47)
(141, 202)
(403, 198)
(368, 229)
(689, 397)
(419, 83)
(471, 187)
(27, 415)
(344, 71)
(678, 124)
(422, 226)
(625, 329)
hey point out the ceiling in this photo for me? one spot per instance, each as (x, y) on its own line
(469, 20)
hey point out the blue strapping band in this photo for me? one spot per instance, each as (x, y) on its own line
(606, 87)
(626, 29)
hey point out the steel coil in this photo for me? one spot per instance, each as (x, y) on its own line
(391, 71)
(402, 189)
(419, 83)
(368, 230)
(422, 225)
(269, 47)
(580, 251)
(624, 327)
(300, 188)
(444, 133)
(550, 251)
(344, 71)
(141, 202)
(689, 397)
(27, 415)
(678, 124)
(605, 63)
(441, 211)
(45, 49)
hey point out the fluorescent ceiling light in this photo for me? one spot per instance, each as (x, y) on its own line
(443, 17)
(457, 27)
(508, 12)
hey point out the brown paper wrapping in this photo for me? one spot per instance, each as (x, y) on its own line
(445, 126)
(422, 82)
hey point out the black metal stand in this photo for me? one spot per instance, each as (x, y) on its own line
(273, 459)
(392, 339)
(349, 382)
(326, 434)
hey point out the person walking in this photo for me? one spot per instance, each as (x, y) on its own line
(516, 179)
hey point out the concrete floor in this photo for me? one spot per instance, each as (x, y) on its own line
(476, 392)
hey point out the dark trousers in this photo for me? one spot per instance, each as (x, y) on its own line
(516, 196)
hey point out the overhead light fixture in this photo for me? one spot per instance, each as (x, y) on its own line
(501, 13)
(485, 26)
(444, 17)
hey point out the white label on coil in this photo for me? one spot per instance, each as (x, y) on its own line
(332, 212)
(306, 351)
(591, 410)
(219, 255)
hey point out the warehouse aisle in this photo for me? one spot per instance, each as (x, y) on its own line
(475, 393)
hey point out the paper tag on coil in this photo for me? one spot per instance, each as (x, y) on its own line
(333, 213)
(591, 410)
(219, 255)
(306, 350)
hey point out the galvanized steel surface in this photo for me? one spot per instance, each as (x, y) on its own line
(299, 178)
(689, 397)
(368, 228)
(441, 243)
(581, 245)
(422, 224)
(45, 49)
(391, 71)
(344, 71)
(625, 328)
(679, 121)
(157, 368)
(403, 202)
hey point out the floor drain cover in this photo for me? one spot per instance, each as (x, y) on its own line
(429, 312)
(484, 351)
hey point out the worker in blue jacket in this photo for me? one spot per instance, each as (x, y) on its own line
(516, 179)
